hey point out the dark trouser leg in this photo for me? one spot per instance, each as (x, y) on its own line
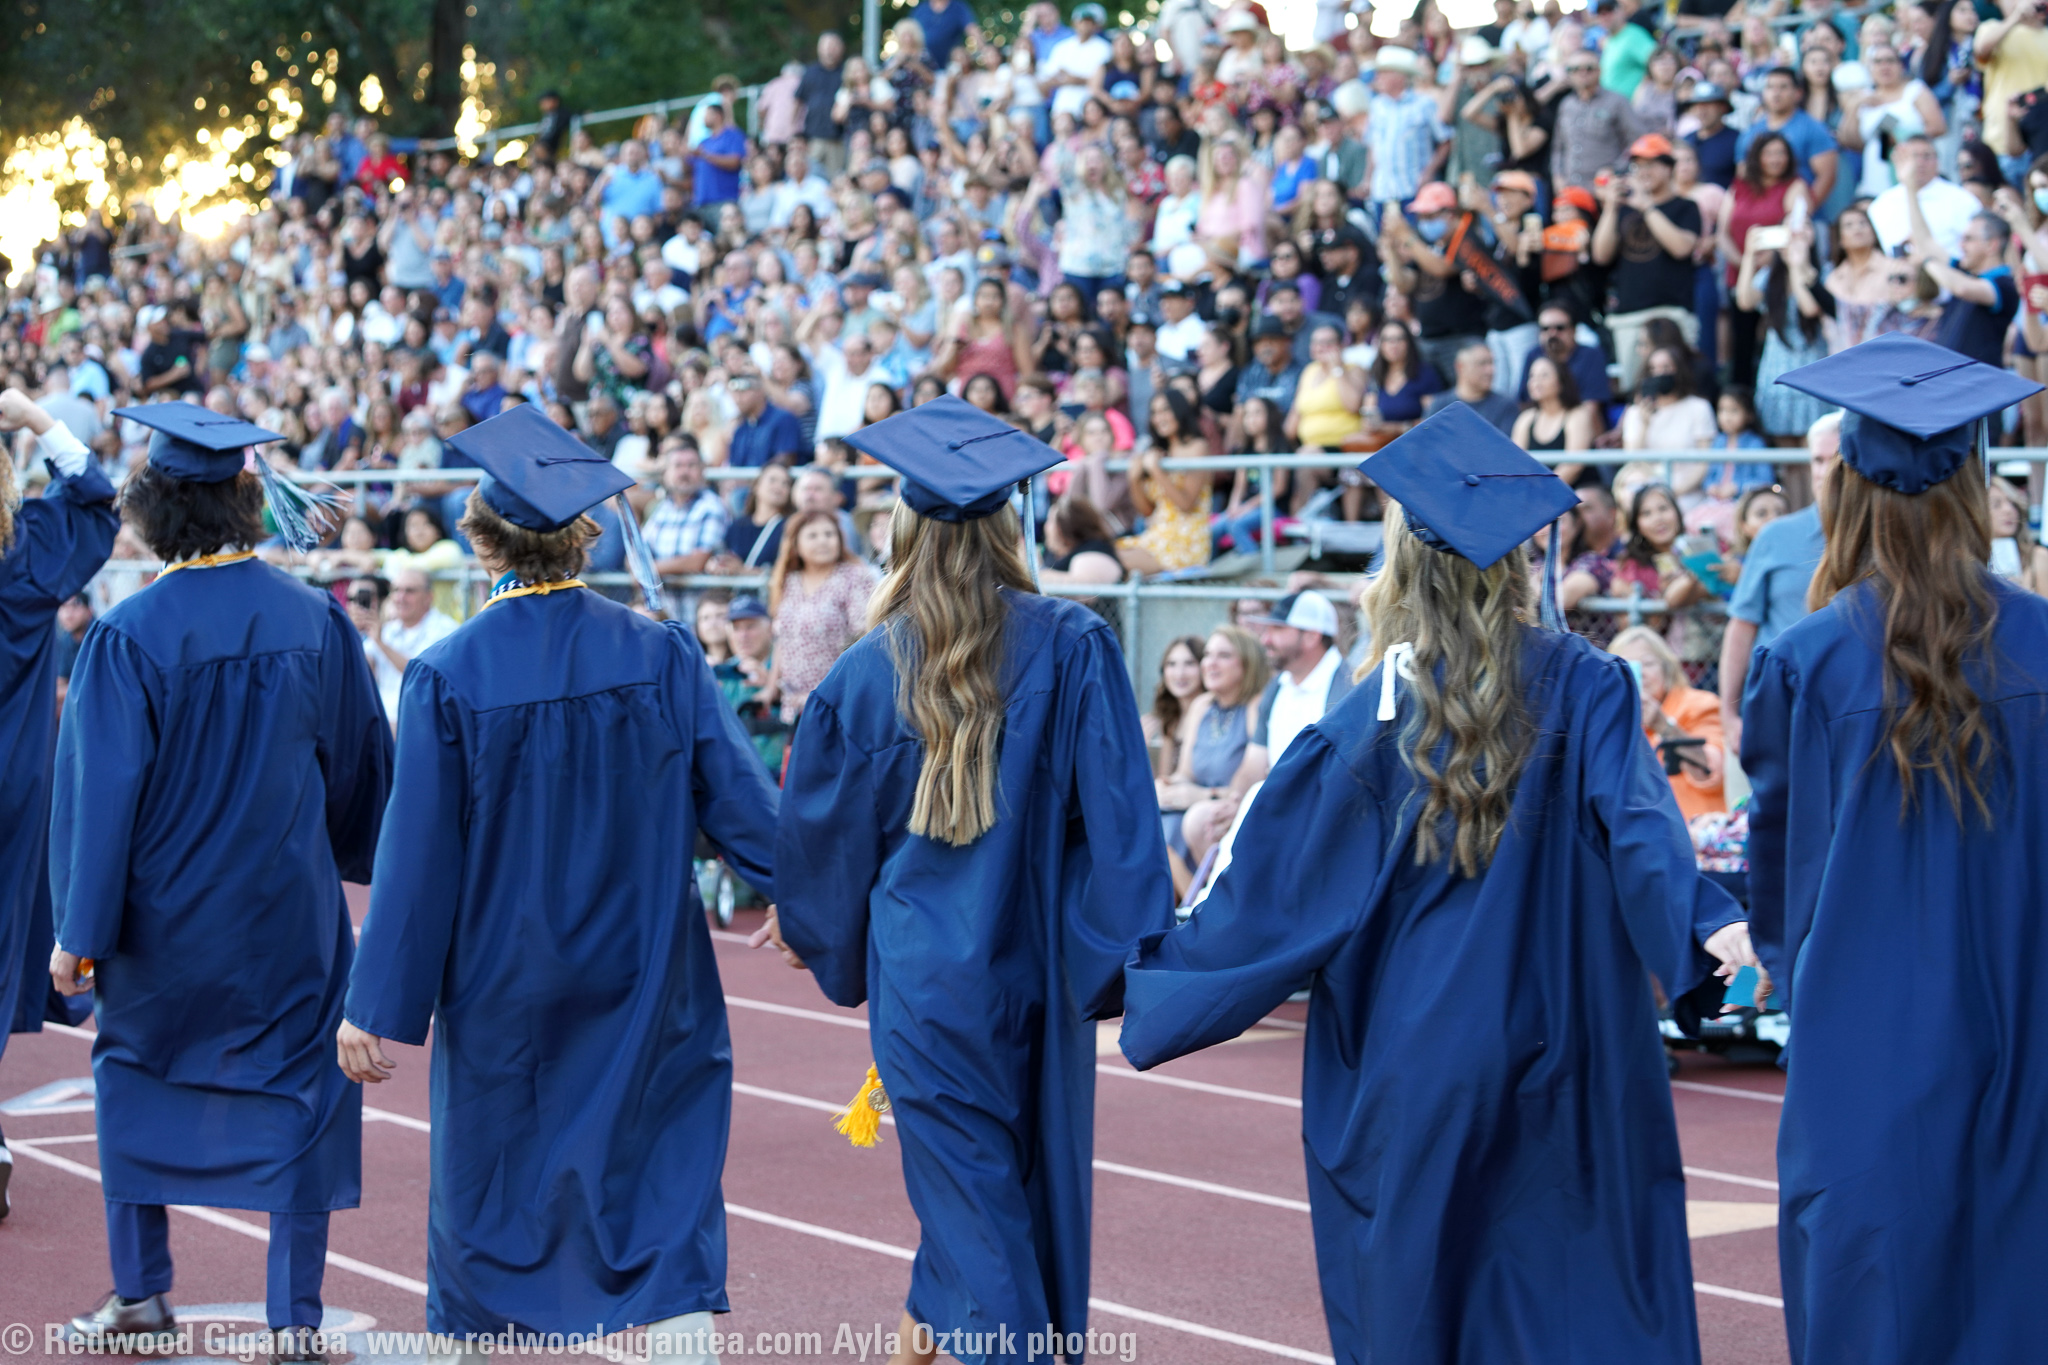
(139, 1246)
(298, 1261)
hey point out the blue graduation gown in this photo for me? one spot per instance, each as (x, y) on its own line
(1493, 1163)
(1914, 1212)
(983, 966)
(60, 541)
(221, 768)
(556, 758)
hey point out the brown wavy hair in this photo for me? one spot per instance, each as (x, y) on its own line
(944, 616)
(1466, 621)
(529, 556)
(1924, 557)
(788, 561)
(178, 519)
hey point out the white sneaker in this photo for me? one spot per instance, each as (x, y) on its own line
(681, 1340)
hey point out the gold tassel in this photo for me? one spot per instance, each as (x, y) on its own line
(861, 1121)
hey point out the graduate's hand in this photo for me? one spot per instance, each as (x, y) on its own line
(18, 410)
(1730, 945)
(361, 1054)
(770, 932)
(64, 973)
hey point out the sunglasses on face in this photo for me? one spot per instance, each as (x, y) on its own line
(363, 599)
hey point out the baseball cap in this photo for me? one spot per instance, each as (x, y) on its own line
(747, 608)
(1091, 10)
(1516, 180)
(1651, 147)
(1435, 197)
(1303, 610)
(1580, 198)
(1704, 92)
(1267, 326)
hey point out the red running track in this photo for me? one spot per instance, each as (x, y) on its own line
(1202, 1245)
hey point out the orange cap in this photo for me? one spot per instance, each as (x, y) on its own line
(1651, 147)
(1579, 199)
(1434, 197)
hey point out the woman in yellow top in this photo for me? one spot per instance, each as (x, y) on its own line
(427, 548)
(1175, 504)
(1329, 396)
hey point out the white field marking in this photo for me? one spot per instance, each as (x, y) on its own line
(792, 1012)
(1695, 1173)
(1736, 1091)
(371, 1115)
(86, 1034)
(776, 1220)
(254, 1231)
(53, 1141)
(1739, 1295)
(1204, 1087)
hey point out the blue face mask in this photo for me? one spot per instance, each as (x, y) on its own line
(1434, 229)
(2041, 200)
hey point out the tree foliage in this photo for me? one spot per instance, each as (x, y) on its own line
(148, 74)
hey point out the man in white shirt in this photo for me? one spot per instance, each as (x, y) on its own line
(657, 288)
(846, 370)
(1068, 73)
(1947, 206)
(393, 635)
(1308, 678)
(685, 251)
(1180, 328)
(384, 317)
(800, 185)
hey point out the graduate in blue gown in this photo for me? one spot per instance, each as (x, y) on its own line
(50, 547)
(974, 861)
(1898, 856)
(533, 899)
(221, 768)
(1476, 866)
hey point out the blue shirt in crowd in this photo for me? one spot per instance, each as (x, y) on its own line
(775, 432)
(715, 184)
(1806, 135)
(943, 29)
(1771, 593)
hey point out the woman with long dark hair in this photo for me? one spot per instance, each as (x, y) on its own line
(1477, 870)
(1766, 190)
(1894, 741)
(970, 845)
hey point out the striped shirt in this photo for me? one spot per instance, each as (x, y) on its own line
(1403, 135)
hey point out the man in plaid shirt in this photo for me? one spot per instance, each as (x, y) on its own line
(687, 524)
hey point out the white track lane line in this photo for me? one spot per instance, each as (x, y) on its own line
(1273, 1348)
(53, 1141)
(255, 1231)
(1138, 1315)
(1735, 1091)
(1739, 1295)
(1695, 1173)
(1179, 1083)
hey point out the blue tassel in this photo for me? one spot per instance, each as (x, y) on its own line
(639, 558)
(1553, 618)
(303, 517)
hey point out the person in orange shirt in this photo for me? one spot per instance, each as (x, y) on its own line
(1674, 710)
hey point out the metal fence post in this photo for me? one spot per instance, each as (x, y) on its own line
(1266, 561)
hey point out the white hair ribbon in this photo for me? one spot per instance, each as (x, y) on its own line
(1398, 659)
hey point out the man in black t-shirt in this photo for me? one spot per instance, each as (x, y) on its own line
(1982, 296)
(1647, 233)
(170, 363)
(815, 91)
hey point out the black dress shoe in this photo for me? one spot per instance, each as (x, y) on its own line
(297, 1343)
(117, 1319)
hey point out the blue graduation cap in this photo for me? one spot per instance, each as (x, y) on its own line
(537, 475)
(198, 445)
(195, 444)
(957, 462)
(1466, 489)
(1911, 408)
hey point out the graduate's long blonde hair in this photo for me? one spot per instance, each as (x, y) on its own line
(944, 619)
(1467, 622)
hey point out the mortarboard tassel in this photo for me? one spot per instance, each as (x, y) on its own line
(861, 1122)
(638, 557)
(1553, 619)
(303, 517)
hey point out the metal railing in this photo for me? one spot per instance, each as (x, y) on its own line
(1268, 509)
(492, 138)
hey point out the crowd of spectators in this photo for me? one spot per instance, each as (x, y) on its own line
(1608, 228)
